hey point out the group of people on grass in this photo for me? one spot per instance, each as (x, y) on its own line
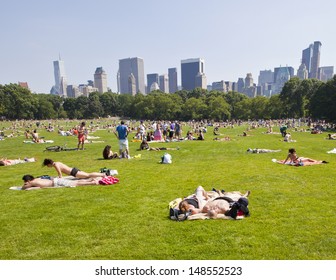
(121, 132)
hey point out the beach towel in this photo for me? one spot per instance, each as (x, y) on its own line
(109, 180)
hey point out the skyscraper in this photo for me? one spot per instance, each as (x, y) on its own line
(326, 73)
(152, 78)
(172, 77)
(60, 87)
(307, 56)
(100, 80)
(163, 79)
(311, 58)
(190, 70)
(131, 70)
(302, 72)
(315, 61)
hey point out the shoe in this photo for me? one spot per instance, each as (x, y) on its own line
(325, 161)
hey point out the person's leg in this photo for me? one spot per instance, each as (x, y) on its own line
(85, 175)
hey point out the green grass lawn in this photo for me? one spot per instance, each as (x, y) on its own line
(292, 208)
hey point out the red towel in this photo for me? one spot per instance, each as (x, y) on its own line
(108, 180)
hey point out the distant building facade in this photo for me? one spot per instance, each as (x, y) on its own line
(131, 76)
(152, 78)
(326, 73)
(60, 87)
(311, 58)
(163, 83)
(172, 77)
(100, 80)
(192, 70)
(281, 76)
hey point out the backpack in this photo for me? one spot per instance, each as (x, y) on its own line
(166, 158)
(175, 213)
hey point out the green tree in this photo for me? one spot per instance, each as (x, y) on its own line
(218, 108)
(194, 109)
(323, 101)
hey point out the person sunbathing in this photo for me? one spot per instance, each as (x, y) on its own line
(145, 146)
(195, 202)
(5, 161)
(293, 159)
(259, 151)
(30, 182)
(75, 172)
(331, 136)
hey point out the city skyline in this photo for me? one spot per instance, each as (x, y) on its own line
(233, 38)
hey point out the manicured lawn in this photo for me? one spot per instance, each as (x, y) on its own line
(292, 208)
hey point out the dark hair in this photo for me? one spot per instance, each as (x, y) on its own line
(47, 161)
(2, 163)
(122, 122)
(83, 124)
(292, 150)
(106, 152)
(27, 178)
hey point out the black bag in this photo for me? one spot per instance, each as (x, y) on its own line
(178, 215)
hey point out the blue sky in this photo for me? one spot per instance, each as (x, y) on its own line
(234, 37)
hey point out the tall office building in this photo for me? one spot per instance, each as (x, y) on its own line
(248, 80)
(163, 83)
(100, 80)
(265, 77)
(190, 70)
(281, 76)
(326, 73)
(307, 56)
(302, 72)
(131, 70)
(172, 77)
(240, 85)
(315, 61)
(311, 58)
(219, 86)
(151, 79)
(201, 81)
(60, 87)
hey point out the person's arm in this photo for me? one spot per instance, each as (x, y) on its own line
(288, 156)
(58, 169)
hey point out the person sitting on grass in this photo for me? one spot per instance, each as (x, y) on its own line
(37, 183)
(108, 153)
(293, 159)
(75, 172)
(145, 146)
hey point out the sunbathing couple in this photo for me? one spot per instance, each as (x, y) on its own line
(230, 205)
(89, 178)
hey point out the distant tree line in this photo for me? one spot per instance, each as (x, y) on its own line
(299, 98)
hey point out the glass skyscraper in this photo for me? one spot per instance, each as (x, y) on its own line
(60, 87)
(191, 69)
(131, 70)
(172, 77)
